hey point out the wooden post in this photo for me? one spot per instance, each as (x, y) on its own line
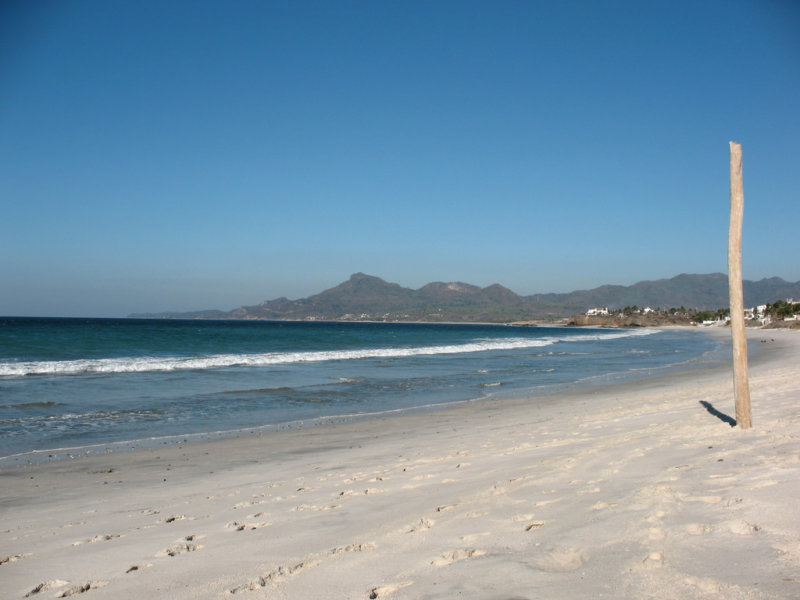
(741, 388)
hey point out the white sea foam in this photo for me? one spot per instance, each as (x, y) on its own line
(174, 363)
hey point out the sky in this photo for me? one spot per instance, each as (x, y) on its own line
(185, 155)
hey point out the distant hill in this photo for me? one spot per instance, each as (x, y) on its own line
(364, 297)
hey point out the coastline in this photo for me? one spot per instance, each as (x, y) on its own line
(629, 490)
(75, 447)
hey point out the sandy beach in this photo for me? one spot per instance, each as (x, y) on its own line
(629, 491)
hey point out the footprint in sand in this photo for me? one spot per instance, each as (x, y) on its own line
(698, 529)
(422, 525)
(46, 586)
(80, 589)
(456, 555)
(174, 518)
(185, 545)
(248, 503)
(276, 575)
(654, 560)
(134, 568)
(560, 560)
(242, 526)
(97, 538)
(743, 527)
(13, 558)
(351, 548)
(473, 537)
(524, 517)
(704, 584)
(385, 590)
(315, 507)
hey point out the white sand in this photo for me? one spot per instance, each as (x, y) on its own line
(633, 491)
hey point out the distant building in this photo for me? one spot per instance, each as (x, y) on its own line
(594, 312)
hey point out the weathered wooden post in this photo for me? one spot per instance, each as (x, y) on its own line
(741, 388)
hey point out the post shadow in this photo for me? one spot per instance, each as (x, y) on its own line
(720, 415)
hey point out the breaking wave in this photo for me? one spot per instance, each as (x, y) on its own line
(144, 364)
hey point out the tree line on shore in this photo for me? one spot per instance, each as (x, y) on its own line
(778, 310)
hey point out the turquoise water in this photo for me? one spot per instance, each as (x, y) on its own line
(75, 386)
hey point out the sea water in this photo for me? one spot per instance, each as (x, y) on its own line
(71, 387)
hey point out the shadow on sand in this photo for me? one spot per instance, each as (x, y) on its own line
(720, 415)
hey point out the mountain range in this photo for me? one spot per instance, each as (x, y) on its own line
(368, 298)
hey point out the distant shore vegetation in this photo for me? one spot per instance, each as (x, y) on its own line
(781, 313)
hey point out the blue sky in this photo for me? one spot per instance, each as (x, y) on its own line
(189, 155)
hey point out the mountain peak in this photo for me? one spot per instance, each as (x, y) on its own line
(360, 275)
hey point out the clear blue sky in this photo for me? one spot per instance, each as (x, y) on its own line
(167, 155)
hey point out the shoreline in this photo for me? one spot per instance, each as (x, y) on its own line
(100, 448)
(629, 490)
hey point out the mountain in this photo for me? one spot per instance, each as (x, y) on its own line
(365, 297)
(702, 292)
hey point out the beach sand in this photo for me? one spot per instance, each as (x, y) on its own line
(628, 491)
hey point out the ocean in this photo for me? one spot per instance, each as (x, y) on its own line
(74, 387)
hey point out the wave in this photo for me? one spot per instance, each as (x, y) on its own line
(174, 363)
(47, 404)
